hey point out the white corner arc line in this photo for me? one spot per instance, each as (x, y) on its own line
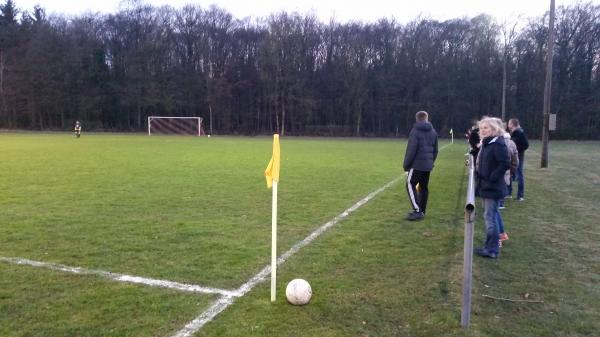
(445, 146)
(221, 304)
(224, 302)
(122, 277)
(216, 308)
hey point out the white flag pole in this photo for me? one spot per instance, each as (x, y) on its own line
(274, 242)
(452, 134)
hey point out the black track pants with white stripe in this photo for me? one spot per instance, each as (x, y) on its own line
(418, 199)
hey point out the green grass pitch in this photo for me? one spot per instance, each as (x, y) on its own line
(197, 210)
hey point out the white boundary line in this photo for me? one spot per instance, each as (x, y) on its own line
(222, 303)
(443, 147)
(227, 296)
(122, 277)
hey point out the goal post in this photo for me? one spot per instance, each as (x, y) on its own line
(168, 125)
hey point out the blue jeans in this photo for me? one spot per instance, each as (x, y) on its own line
(499, 219)
(520, 177)
(492, 234)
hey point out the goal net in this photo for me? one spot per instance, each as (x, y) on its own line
(175, 126)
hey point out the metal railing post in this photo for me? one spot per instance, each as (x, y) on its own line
(465, 316)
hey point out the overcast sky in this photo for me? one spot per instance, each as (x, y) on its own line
(342, 10)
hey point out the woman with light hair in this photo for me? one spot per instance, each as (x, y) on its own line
(492, 163)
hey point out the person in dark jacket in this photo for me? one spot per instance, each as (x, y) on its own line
(77, 129)
(421, 152)
(473, 136)
(520, 138)
(492, 163)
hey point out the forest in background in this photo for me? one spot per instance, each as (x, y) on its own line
(291, 73)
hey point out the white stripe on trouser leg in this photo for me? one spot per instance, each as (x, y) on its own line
(411, 192)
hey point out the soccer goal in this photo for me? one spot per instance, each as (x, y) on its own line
(175, 125)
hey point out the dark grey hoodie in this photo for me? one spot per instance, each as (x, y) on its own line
(422, 148)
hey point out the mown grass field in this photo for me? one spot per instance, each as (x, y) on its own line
(197, 210)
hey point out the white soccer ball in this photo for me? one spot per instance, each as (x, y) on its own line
(298, 292)
(208, 136)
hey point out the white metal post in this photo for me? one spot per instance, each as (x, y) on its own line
(465, 316)
(149, 125)
(274, 242)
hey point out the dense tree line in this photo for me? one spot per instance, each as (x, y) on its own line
(291, 73)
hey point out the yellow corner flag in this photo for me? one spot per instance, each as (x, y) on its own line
(272, 171)
(272, 175)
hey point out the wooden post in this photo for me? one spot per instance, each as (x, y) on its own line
(504, 81)
(548, 88)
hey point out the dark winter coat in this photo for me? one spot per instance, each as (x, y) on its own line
(474, 143)
(518, 136)
(422, 148)
(513, 154)
(492, 163)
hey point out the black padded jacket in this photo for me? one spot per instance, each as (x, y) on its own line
(422, 147)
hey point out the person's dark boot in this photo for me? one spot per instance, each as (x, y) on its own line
(485, 253)
(415, 216)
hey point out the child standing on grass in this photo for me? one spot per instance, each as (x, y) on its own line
(513, 154)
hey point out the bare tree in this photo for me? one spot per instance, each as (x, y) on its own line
(509, 32)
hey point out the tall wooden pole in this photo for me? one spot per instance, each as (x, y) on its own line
(504, 82)
(548, 88)
(3, 110)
